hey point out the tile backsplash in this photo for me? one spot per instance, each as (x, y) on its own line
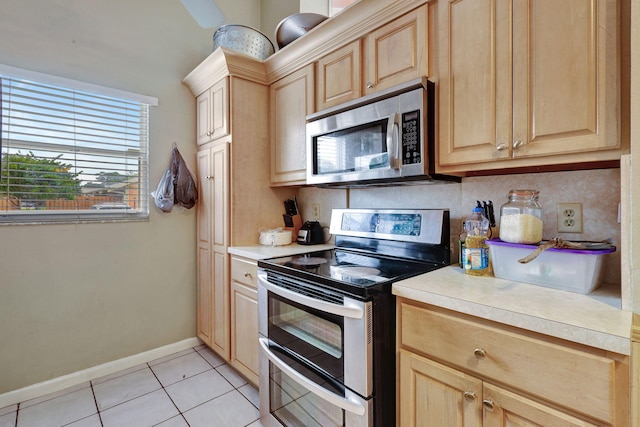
(597, 190)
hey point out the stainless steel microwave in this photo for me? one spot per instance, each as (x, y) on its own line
(384, 138)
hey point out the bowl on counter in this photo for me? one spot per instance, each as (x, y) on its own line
(275, 237)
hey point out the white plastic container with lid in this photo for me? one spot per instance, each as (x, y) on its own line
(571, 270)
(521, 218)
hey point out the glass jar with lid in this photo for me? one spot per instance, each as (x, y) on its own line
(521, 218)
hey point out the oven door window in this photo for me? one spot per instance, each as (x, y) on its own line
(313, 335)
(355, 149)
(293, 405)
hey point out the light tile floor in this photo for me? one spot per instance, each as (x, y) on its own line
(190, 388)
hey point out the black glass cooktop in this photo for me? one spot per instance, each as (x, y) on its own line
(351, 272)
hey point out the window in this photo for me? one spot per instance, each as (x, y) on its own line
(70, 151)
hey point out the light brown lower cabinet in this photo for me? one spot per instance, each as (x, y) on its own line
(457, 370)
(244, 318)
(433, 394)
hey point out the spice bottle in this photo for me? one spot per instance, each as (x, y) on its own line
(521, 218)
(475, 255)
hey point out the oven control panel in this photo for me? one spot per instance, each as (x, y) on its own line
(411, 153)
(411, 225)
(388, 223)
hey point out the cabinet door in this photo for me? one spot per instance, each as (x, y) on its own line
(203, 125)
(219, 216)
(213, 113)
(504, 408)
(475, 81)
(397, 52)
(292, 99)
(339, 76)
(432, 394)
(564, 96)
(244, 318)
(204, 306)
(212, 309)
(532, 84)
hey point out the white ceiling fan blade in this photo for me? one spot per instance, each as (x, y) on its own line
(206, 12)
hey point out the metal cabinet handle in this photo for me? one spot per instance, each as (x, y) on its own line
(517, 144)
(479, 353)
(209, 133)
(501, 147)
(469, 396)
(247, 274)
(208, 177)
(488, 404)
(369, 85)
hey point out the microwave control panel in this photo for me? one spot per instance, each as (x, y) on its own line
(411, 147)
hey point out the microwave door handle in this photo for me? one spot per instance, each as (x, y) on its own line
(327, 307)
(339, 401)
(393, 140)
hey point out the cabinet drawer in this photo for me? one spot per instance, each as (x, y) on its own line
(244, 271)
(575, 377)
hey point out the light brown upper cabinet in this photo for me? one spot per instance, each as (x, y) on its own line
(524, 84)
(213, 113)
(339, 76)
(292, 99)
(397, 52)
(390, 55)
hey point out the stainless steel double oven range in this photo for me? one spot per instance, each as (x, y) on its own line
(327, 318)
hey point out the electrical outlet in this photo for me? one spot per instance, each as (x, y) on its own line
(316, 211)
(570, 217)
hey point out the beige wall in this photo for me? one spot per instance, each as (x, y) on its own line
(75, 296)
(274, 11)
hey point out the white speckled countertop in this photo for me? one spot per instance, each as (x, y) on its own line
(594, 319)
(257, 252)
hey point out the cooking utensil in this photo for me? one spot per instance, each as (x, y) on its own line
(294, 26)
(243, 39)
(557, 242)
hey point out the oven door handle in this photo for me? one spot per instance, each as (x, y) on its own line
(339, 401)
(327, 307)
(393, 141)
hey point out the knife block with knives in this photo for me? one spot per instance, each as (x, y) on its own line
(292, 218)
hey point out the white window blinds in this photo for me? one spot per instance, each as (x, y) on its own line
(70, 155)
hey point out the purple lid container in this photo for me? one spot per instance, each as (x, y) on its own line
(599, 248)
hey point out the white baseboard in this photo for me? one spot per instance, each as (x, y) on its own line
(60, 383)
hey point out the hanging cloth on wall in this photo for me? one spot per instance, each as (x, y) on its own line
(177, 185)
(186, 191)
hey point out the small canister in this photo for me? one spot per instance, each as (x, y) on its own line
(521, 218)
